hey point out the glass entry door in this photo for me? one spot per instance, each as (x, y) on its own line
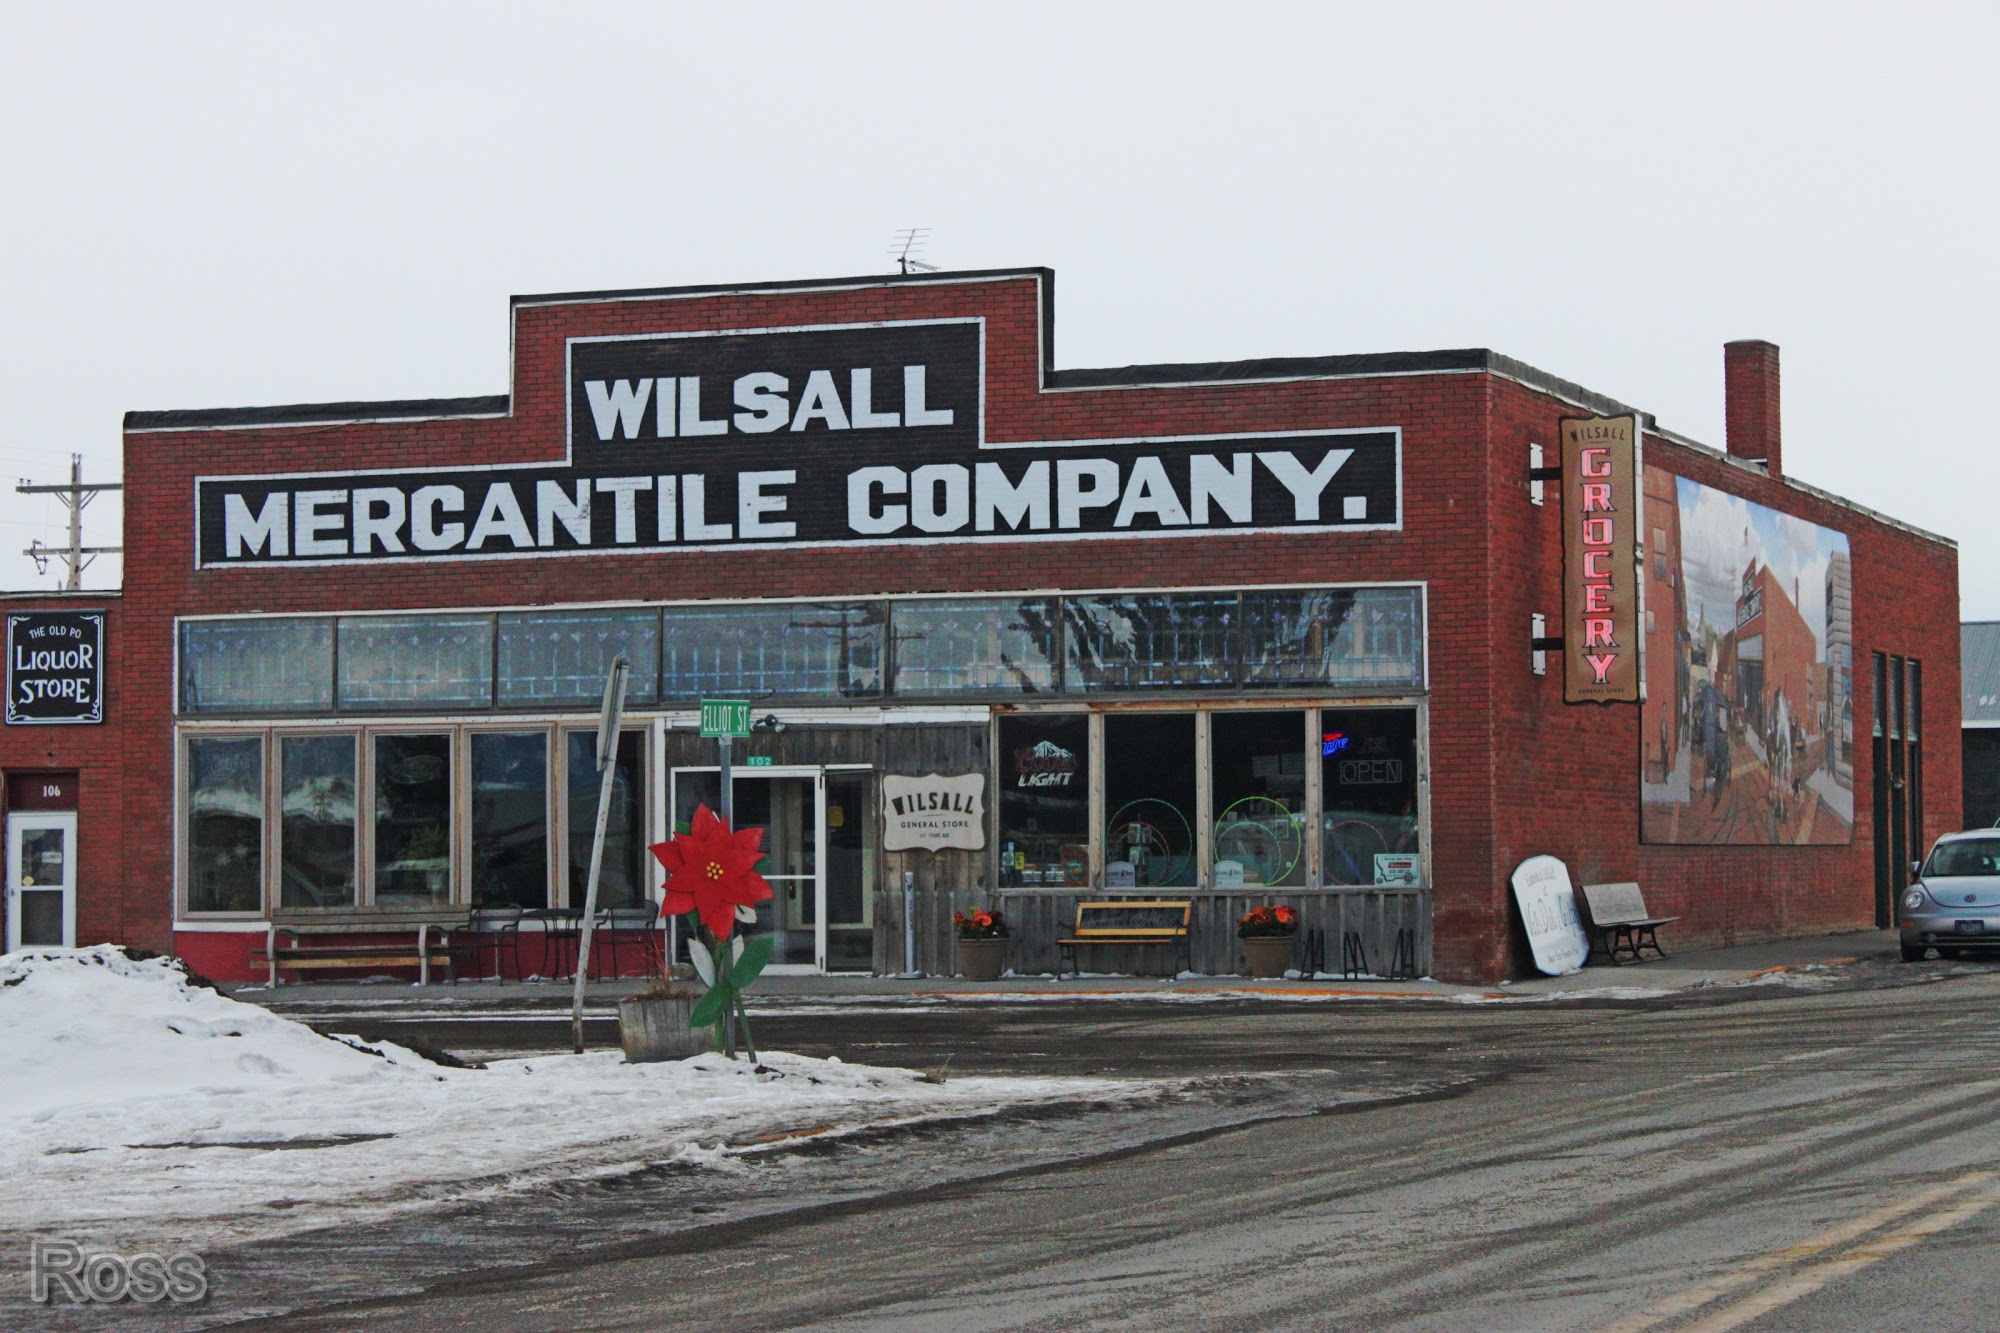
(41, 880)
(791, 806)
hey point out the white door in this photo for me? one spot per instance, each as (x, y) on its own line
(789, 805)
(41, 880)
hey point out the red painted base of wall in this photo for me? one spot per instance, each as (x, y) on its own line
(228, 957)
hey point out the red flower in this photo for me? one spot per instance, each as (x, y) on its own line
(712, 871)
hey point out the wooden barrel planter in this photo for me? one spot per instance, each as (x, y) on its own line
(982, 960)
(655, 1027)
(1268, 955)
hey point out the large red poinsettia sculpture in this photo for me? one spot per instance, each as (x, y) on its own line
(712, 871)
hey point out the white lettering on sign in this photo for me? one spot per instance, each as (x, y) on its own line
(55, 667)
(933, 812)
(819, 436)
(618, 407)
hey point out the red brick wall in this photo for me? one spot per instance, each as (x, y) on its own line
(1568, 777)
(95, 753)
(1513, 772)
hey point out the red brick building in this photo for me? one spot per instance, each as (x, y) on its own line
(1242, 632)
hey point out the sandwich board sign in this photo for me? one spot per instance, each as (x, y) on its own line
(1548, 909)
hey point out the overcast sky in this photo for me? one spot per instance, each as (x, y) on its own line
(210, 205)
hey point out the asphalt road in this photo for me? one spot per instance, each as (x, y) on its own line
(1764, 1160)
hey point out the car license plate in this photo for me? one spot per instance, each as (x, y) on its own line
(1969, 927)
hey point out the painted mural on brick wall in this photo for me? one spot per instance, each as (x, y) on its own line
(1747, 733)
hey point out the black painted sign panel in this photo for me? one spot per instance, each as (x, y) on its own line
(55, 667)
(863, 435)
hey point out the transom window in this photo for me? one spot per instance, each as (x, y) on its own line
(959, 648)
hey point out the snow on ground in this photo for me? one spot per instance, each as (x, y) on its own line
(138, 1106)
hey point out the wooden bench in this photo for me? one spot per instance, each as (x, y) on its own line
(1620, 922)
(409, 939)
(1128, 921)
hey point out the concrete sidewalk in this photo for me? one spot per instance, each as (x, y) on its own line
(1695, 969)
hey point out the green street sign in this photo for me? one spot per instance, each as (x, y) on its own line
(725, 717)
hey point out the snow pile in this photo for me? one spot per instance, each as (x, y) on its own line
(138, 1106)
(88, 1029)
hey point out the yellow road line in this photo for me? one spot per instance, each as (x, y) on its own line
(1694, 1298)
(1812, 1279)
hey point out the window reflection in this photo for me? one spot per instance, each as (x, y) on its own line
(412, 820)
(510, 819)
(989, 646)
(621, 882)
(257, 666)
(316, 830)
(562, 657)
(999, 647)
(1150, 641)
(225, 824)
(398, 661)
(786, 651)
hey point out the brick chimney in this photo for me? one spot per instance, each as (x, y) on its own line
(1750, 398)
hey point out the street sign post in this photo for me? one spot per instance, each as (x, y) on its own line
(608, 719)
(725, 720)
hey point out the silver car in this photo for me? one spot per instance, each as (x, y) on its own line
(1954, 901)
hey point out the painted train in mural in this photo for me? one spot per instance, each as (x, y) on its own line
(1748, 726)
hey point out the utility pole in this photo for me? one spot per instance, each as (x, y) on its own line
(74, 496)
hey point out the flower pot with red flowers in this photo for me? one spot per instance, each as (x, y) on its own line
(1267, 933)
(982, 944)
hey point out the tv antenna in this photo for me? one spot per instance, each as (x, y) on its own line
(908, 244)
(74, 497)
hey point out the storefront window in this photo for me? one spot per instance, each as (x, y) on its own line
(257, 666)
(1149, 800)
(562, 657)
(412, 819)
(225, 840)
(1368, 796)
(510, 819)
(1044, 805)
(1333, 636)
(621, 882)
(988, 646)
(800, 650)
(1151, 641)
(413, 661)
(1258, 762)
(316, 829)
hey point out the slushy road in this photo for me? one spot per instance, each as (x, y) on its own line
(1810, 1161)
